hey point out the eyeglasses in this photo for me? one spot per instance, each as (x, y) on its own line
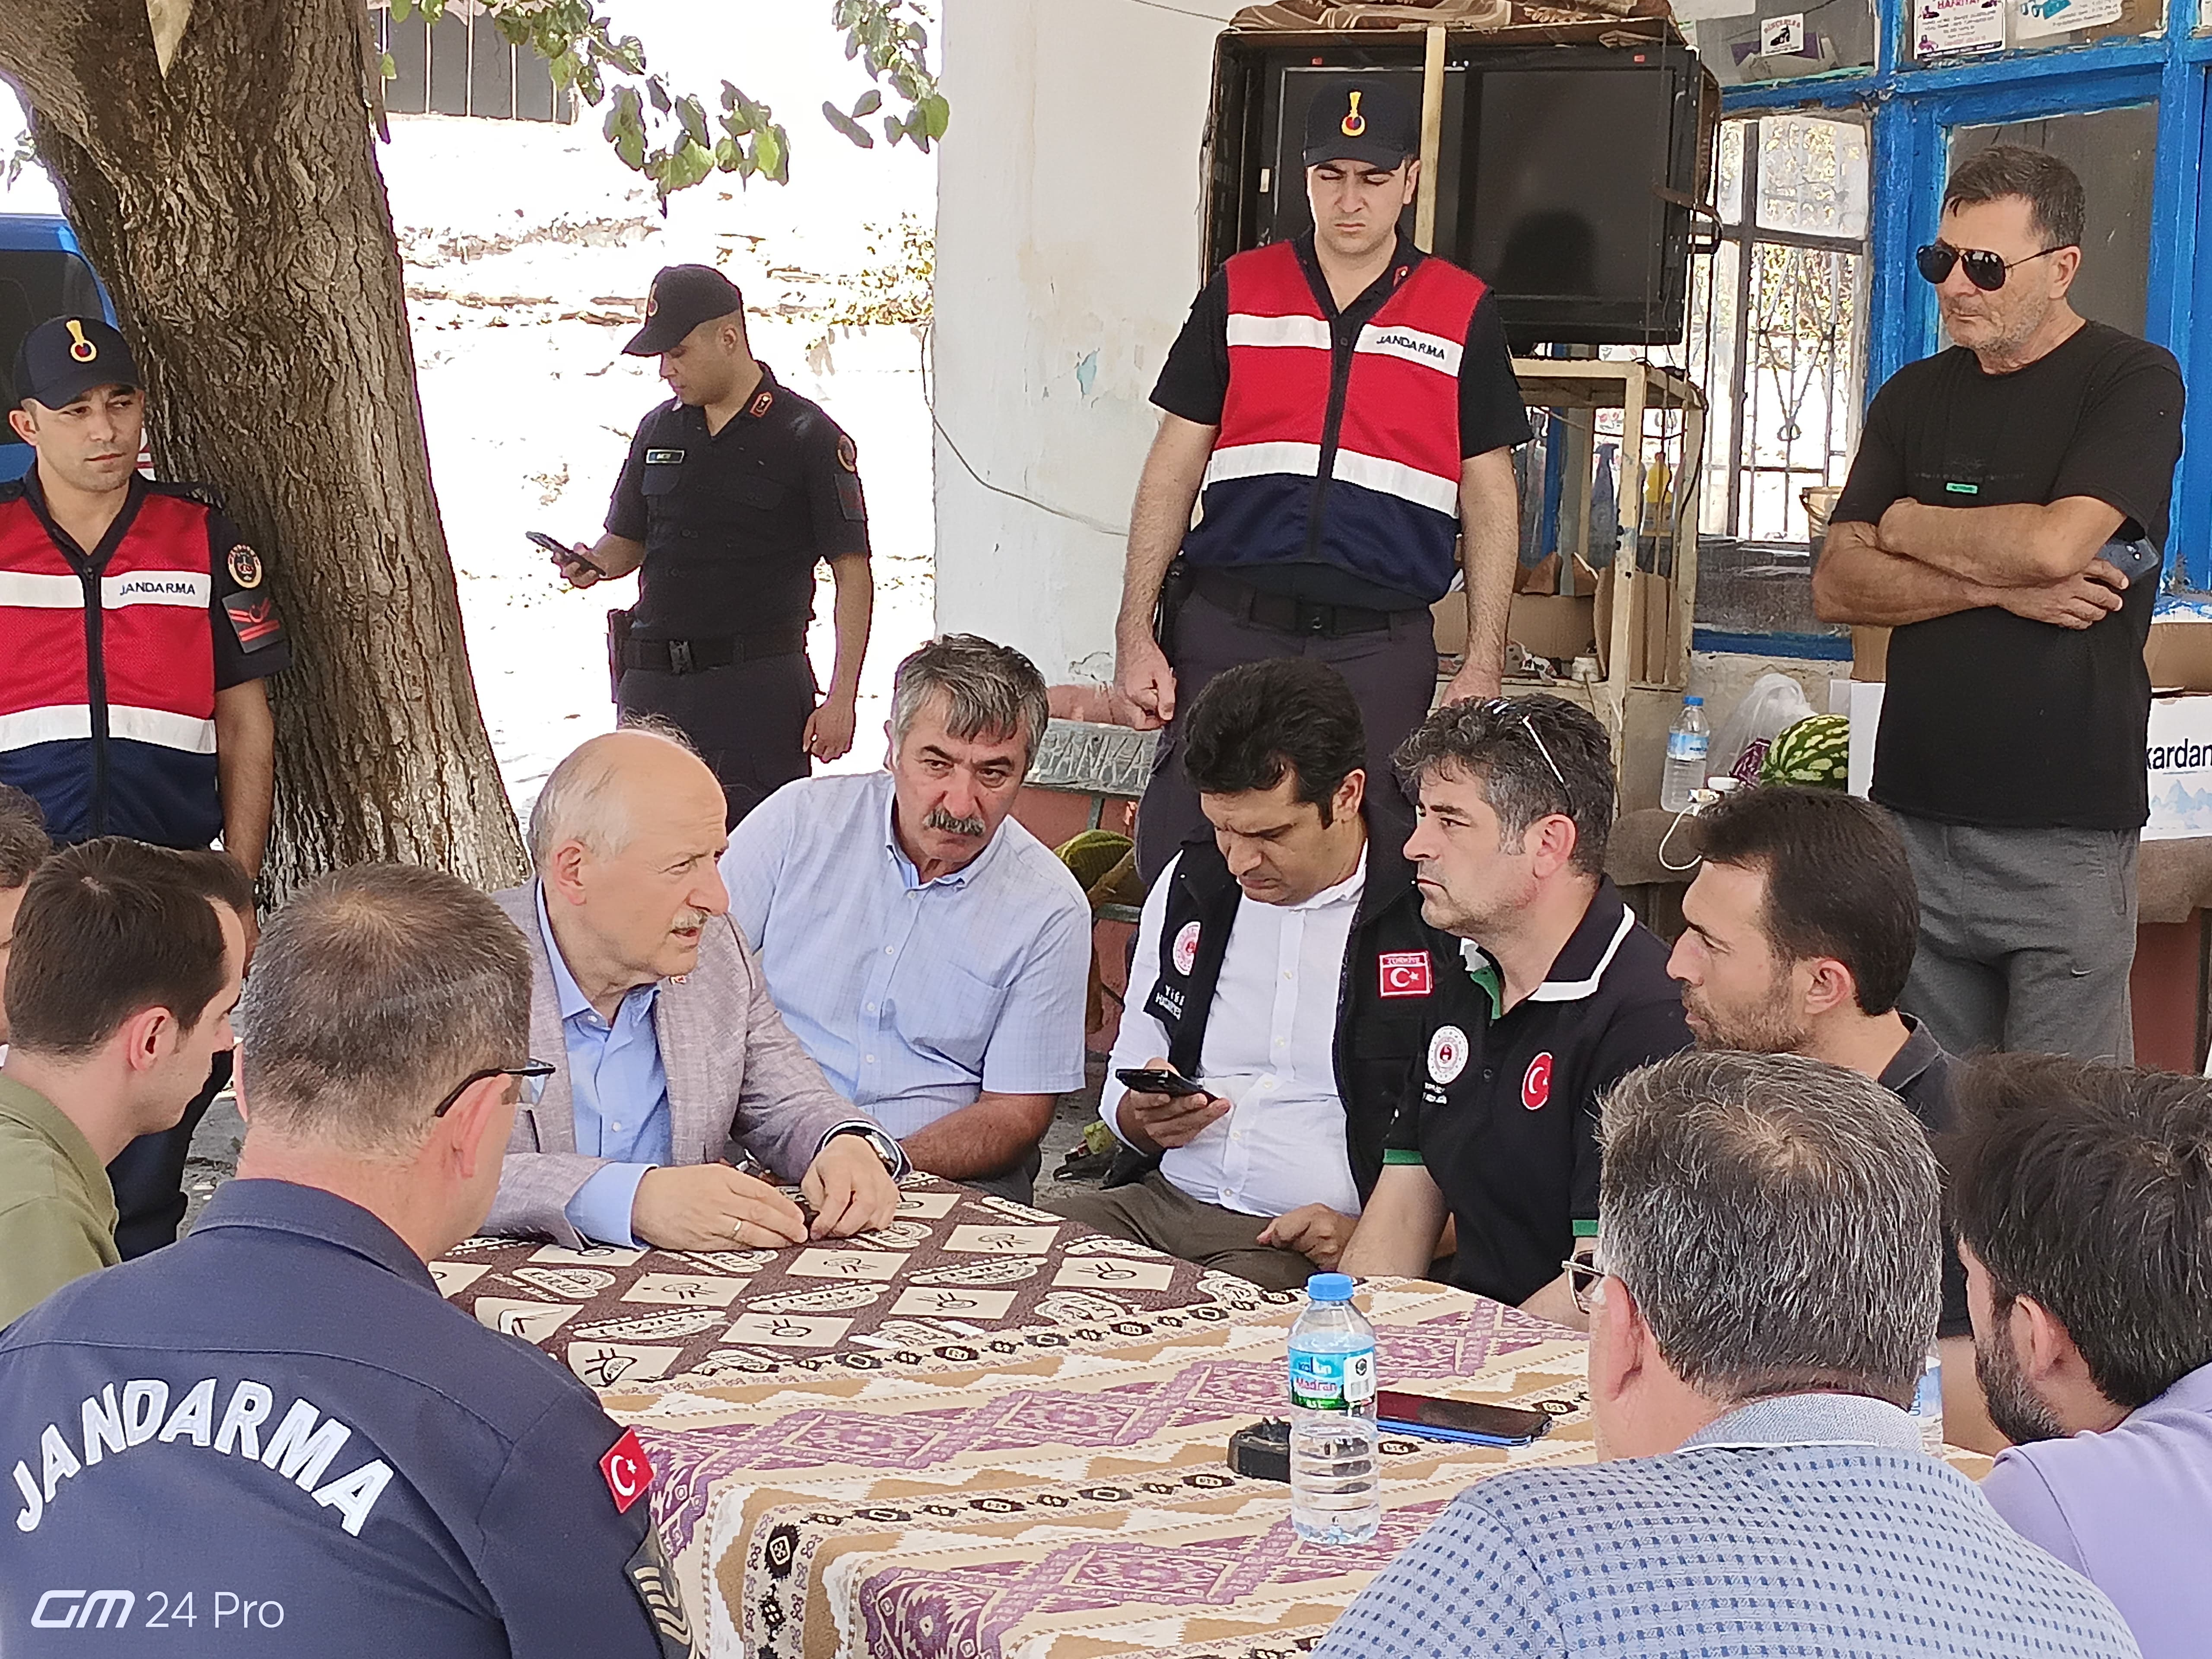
(534, 1073)
(1517, 716)
(1583, 1276)
(1984, 270)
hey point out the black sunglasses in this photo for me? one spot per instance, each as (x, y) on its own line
(1515, 715)
(534, 1073)
(1984, 270)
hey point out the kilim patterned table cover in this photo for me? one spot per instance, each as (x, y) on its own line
(986, 1432)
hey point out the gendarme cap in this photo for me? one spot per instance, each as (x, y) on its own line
(681, 298)
(62, 359)
(1361, 119)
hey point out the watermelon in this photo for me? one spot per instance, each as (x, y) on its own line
(1815, 753)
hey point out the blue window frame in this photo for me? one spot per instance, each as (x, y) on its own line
(1913, 108)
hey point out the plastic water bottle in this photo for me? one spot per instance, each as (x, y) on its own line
(1928, 1404)
(1686, 746)
(1336, 1490)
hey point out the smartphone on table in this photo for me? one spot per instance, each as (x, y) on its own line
(1470, 1422)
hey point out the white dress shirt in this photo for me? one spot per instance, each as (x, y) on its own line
(1270, 1047)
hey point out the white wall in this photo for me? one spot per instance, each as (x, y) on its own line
(1067, 254)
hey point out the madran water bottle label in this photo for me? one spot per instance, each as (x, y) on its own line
(1687, 745)
(1332, 1381)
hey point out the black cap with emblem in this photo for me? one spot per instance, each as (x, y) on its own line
(62, 360)
(681, 298)
(1361, 119)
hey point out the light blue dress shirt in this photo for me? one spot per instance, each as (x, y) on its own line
(620, 1093)
(1805, 1525)
(912, 996)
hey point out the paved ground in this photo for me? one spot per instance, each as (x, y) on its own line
(214, 1147)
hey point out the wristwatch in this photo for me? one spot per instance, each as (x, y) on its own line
(893, 1155)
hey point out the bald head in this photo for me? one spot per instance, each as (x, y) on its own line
(627, 835)
(610, 784)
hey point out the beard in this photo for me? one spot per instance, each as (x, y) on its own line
(1770, 1026)
(2019, 1415)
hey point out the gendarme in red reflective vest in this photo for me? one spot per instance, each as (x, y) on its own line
(112, 661)
(1349, 457)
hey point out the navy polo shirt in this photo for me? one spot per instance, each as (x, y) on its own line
(1504, 1109)
(275, 1436)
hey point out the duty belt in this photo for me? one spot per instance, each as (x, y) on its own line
(697, 656)
(1284, 613)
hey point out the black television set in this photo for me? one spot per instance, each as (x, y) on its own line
(1569, 176)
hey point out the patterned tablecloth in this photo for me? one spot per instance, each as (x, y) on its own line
(985, 1431)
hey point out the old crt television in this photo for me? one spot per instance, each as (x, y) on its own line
(1567, 176)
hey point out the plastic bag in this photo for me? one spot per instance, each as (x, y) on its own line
(1774, 703)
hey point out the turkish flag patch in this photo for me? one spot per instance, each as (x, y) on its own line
(629, 1471)
(1405, 973)
(1536, 1082)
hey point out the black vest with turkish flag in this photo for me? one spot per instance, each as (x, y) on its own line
(1389, 978)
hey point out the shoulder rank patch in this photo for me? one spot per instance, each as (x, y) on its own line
(253, 620)
(763, 400)
(651, 1576)
(244, 566)
(628, 1470)
(848, 454)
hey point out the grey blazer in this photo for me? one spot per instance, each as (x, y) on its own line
(735, 1073)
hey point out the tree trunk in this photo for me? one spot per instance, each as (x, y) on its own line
(236, 212)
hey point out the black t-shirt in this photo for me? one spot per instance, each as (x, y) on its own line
(1991, 719)
(734, 522)
(1194, 383)
(1920, 1075)
(1504, 1108)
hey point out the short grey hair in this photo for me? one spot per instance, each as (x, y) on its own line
(581, 801)
(1510, 747)
(1777, 1220)
(990, 690)
(374, 992)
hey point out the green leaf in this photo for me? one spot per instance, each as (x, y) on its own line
(936, 115)
(694, 117)
(846, 125)
(385, 67)
(871, 101)
(402, 10)
(767, 153)
(726, 155)
(658, 93)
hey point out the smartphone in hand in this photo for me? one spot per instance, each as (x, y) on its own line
(1158, 1080)
(563, 552)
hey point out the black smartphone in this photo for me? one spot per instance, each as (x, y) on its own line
(1158, 1080)
(1466, 1420)
(2133, 559)
(561, 550)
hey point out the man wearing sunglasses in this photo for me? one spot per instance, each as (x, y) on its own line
(2006, 516)
(277, 1425)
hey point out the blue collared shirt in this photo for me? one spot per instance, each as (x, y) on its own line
(620, 1090)
(913, 996)
(1808, 1524)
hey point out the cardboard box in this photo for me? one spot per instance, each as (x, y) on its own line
(1870, 653)
(2180, 761)
(1546, 624)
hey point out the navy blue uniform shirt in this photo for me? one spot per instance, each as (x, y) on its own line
(277, 1438)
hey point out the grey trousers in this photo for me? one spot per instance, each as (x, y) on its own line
(1155, 1212)
(1392, 675)
(1018, 1183)
(2027, 937)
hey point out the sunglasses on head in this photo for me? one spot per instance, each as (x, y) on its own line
(1509, 713)
(532, 1073)
(1984, 270)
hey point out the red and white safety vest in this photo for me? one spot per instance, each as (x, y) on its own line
(108, 671)
(1348, 456)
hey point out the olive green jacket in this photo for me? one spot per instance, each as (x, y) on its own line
(57, 1210)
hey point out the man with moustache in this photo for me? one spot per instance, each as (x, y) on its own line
(2006, 515)
(931, 954)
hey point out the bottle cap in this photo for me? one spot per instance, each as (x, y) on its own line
(1694, 703)
(1329, 1287)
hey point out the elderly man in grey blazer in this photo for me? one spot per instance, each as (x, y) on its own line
(670, 1057)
